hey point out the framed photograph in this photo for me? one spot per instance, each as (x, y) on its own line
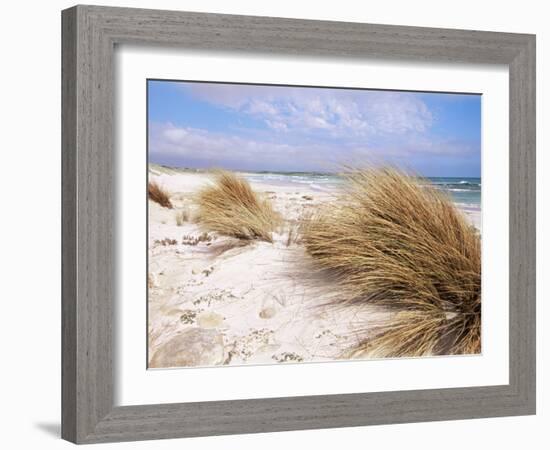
(268, 222)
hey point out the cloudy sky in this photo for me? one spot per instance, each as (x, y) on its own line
(279, 128)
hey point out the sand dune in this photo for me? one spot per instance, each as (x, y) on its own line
(218, 300)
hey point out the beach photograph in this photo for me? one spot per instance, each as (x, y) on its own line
(297, 224)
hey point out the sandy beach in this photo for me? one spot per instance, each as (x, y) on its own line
(217, 300)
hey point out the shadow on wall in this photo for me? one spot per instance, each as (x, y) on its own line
(51, 428)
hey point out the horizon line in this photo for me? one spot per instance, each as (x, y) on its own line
(287, 172)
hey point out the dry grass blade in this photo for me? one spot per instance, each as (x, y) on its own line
(159, 195)
(293, 229)
(230, 207)
(420, 333)
(395, 241)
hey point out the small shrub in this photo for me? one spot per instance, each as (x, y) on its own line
(166, 241)
(194, 240)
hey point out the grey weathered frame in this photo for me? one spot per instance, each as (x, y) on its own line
(89, 36)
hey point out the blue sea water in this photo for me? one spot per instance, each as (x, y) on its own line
(464, 190)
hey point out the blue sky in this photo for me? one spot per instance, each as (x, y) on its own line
(279, 128)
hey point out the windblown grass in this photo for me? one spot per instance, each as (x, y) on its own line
(230, 207)
(395, 241)
(159, 195)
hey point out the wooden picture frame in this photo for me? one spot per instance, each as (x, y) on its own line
(90, 34)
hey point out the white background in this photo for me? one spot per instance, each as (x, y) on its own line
(135, 385)
(30, 328)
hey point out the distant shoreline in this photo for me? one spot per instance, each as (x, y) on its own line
(281, 172)
(465, 191)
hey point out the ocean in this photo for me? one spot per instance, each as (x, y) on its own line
(465, 191)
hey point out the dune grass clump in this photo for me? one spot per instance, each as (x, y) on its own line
(158, 194)
(230, 207)
(182, 216)
(395, 241)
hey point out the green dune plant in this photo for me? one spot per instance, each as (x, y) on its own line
(158, 194)
(230, 207)
(397, 242)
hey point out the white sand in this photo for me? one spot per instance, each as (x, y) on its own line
(219, 302)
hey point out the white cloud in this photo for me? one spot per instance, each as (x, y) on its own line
(193, 147)
(338, 112)
(174, 135)
(202, 148)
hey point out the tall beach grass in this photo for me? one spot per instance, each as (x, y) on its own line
(230, 207)
(158, 194)
(394, 241)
